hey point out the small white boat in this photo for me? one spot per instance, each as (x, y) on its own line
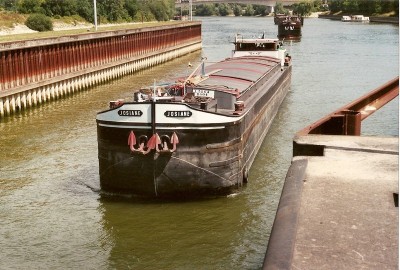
(355, 18)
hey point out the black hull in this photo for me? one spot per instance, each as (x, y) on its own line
(289, 31)
(200, 166)
(209, 160)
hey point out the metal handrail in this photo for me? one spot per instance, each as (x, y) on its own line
(347, 120)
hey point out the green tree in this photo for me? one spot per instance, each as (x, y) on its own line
(303, 8)
(29, 6)
(39, 22)
(390, 6)
(317, 5)
(369, 6)
(112, 10)
(85, 10)
(163, 10)
(144, 14)
(249, 10)
(131, 7)
(279, 9)
(224, 9)
(204, 10)
(335, 6)
(260, 10)
(350, 6)
(10, 5)
(237, 10)
(61, 8)
(364, 6)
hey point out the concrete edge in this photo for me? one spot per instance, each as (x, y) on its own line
(283, 234)
(317, 144)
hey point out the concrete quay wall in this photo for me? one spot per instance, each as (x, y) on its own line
(339, 208)
(33, 72)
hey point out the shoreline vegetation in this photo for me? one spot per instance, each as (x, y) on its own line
(22, 32)
(68, 17)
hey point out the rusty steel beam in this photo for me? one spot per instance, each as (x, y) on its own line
(22, 65)
(347, 120)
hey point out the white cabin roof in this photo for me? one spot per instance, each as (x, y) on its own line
(256, 40)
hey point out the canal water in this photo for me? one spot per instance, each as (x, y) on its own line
(53, 216)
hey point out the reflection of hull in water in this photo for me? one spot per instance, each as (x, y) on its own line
(132, 227)
(180, 148)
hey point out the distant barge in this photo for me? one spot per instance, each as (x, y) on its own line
(289, 27)
(197, 136)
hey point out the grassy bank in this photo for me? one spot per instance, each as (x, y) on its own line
(12, 27)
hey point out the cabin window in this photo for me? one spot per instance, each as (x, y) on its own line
(256, 46)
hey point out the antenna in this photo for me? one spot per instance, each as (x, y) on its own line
(203, 68)
(191, 74)
(154, 90)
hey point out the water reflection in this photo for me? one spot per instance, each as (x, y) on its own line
(158, 235)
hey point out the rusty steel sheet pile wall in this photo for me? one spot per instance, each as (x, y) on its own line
(36, 71)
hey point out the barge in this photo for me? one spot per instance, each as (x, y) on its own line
(196, 136)
(289, 27)
(279, 18)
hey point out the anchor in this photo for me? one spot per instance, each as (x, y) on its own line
(141, 149)
(163, 143)
(155, 142)
(174, 141)
(132, 143)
